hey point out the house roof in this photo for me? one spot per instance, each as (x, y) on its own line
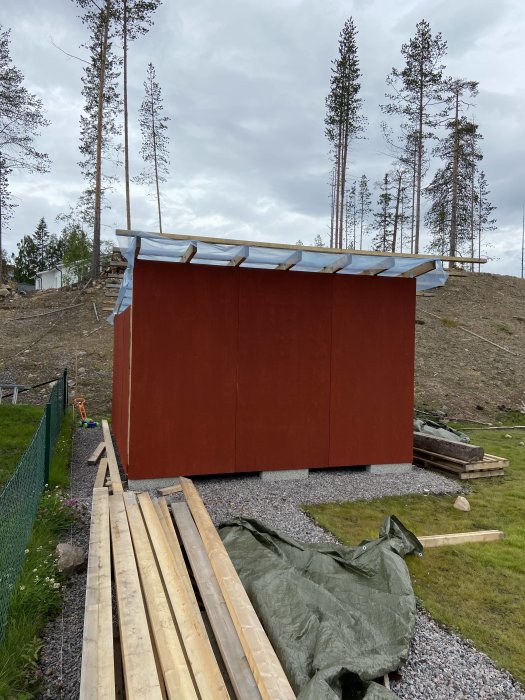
(174, 248)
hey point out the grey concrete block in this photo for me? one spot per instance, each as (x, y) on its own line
(284, 475)
(402, 468)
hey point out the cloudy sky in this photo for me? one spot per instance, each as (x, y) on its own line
(244, 83)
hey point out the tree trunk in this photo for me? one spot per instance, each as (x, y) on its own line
(153, 133)
(95, 261)
(332, 208)
(453, 237)
(1, 257)
(343, 174)
(419, 168)
(126, 136)
(396, 215)
(337, 187)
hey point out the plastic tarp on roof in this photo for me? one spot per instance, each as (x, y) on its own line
(338, 617)
(163, 249)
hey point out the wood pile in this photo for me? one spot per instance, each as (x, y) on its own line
(166, 559)
(462, 459)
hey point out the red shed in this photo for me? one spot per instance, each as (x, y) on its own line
(236, 356)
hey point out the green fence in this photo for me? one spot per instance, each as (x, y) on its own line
(20, 496)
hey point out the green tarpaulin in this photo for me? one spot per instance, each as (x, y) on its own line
(338, 617)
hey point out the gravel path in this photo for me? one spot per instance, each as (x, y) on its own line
(441, 666)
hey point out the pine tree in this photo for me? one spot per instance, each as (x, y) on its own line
(41, 239)
(136, 21)
(155, 142)
(364, 207)
(318, 241)
(484, 220)
(6, 205)
(21, 119)
(54, 251)
(102, 105)
(351, 216)
(343, 120)
(26, 261)
(416, 96)
(384, 216)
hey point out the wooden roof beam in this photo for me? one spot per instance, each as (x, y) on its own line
(238, 260)
(419, 270)
(189, 254)
(338, 264)
(292, 260)
(379, 267)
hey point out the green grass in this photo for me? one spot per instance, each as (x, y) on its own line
(17, 425)
(38, 593)
(477, 589)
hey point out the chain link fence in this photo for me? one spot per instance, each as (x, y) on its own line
(20, 496)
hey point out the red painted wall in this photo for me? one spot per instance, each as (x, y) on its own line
(121, 365)
(239, 369)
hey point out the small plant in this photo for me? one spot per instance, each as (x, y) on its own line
(449, 322)
(504, 329)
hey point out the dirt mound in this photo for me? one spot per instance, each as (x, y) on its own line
(36, 345)
(459, 373)
(456, 372)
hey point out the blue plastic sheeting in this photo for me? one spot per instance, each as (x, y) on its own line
(163, 249)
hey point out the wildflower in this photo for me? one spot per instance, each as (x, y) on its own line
(56, 585)
(26, 551)
(35, 570)
(22, 588)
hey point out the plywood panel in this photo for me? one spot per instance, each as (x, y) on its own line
(372, 370)
(283, 370)
(184, 370)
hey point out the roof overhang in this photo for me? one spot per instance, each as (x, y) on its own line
(174, 248)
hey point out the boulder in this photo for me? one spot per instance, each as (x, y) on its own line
(70, 559)
(461, 503)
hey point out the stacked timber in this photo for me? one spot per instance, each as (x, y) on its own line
(164, 647)
(462, 459)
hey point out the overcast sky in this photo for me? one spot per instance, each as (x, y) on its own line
(244, 83)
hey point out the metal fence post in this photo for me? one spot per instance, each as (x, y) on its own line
(47, 444)
(64, 407)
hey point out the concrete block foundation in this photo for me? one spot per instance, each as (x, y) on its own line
(284, 475)
(402, 468)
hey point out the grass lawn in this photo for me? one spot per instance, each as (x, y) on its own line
(476, 589)
(17, 425)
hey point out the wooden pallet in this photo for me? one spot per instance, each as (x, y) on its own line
(163, 640)
(489, 466)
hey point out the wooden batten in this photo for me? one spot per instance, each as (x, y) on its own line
(291, 261)
(379, 267)
(177, 677)
(97, 453)
(265, 666)
(338, 264)
(239, 259)
(116, 483)
(140, 672)
(228, 641)
(189, 254)
(100, 479)
(198, 649)
(419, 270)
(97, 676)
(461, 538)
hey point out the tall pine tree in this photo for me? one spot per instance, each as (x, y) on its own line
(364, 207)
(41, 240)
(416, 96)
(343, 121)
(155, 142)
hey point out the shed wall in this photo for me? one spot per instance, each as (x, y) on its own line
(239, 369)
(121, 376)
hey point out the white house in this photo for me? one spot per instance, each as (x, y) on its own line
(49, 279)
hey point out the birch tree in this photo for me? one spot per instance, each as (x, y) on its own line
(21, 120)
(415, 94)
(155, 142)
(343, 121)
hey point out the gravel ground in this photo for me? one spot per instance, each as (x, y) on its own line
(441, 666)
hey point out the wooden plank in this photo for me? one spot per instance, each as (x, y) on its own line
(266, 668)
(487, 465)
(461, 538)
(232, 653)
(291, 261)
(448, 448)
(483, 474)
(97, 453)
(177, 677)
(379, 267)
(168, 490)
(140, 673)
(445, 458)
(189, 254)
(338, 264)
(114, 473)
(100, 479)
(238, 260)
(198, 650)
(287, 246)
(419, 270)
(97, 676)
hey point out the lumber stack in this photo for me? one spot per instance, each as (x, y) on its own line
(167, 647)
(464, 460)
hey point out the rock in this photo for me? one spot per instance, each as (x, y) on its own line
(81, 370)
(4, 292)
(70, 559)
(508, 436)
(461, 503)
(521, 443)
